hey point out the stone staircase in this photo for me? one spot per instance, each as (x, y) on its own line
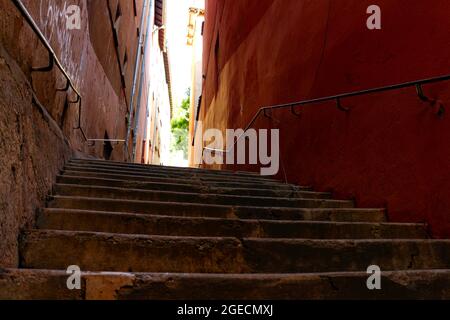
(149, 232)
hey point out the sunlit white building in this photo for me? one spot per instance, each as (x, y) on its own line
(195, 40)
(156, 144)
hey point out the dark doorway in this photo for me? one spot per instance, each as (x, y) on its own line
(107, 147)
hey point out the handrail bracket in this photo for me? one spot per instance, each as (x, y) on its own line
(76, 101)
(295, 113)
(66, 87)
(420, 93)
(441, 109)
(340, 106)
(51, 63)
(270, 116)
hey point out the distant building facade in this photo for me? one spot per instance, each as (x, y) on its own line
(195, 40)
(153, 109)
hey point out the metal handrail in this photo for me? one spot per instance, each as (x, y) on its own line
(418, 84)
(53, 60)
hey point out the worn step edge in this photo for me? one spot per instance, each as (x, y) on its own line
(183, 181)
(220, 227)
(332, 215)
(182, 198)
(170, 173)
(165, 170)
(203, 191)
(28, 284)
(167, 186)
(211, 210)
(137, 165)
(163, 174)
(159, 195)
(54, 249)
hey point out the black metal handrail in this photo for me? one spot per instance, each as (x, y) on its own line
(418, 84)
(53, 60)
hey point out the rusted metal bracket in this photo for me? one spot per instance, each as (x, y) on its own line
(295, 113)
(340, 106)
(51, 63)
(66, 87)
(421, 95)
(269, 116)
(441, 109)
(266, 115)
(76, 101)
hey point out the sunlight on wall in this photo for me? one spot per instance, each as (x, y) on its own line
(180, 55)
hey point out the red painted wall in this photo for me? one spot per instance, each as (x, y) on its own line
(391, 149)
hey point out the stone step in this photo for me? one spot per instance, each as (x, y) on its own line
(53, 249)
(218, 211)
(172, 171)
(194, 182)
(125, 165)
(29, 284)
(178, 187)
(315, 200)
(202, 177)
(127, 223)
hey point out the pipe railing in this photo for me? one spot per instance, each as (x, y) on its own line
(263, 110)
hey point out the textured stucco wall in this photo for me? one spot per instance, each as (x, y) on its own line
(36, 141)
(91, 59)
(32, 150)
(390, 150)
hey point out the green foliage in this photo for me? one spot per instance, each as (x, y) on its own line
(180, 126)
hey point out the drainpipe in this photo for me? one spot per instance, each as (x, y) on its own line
(155, 126)
(145, 14)
(138, 108)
